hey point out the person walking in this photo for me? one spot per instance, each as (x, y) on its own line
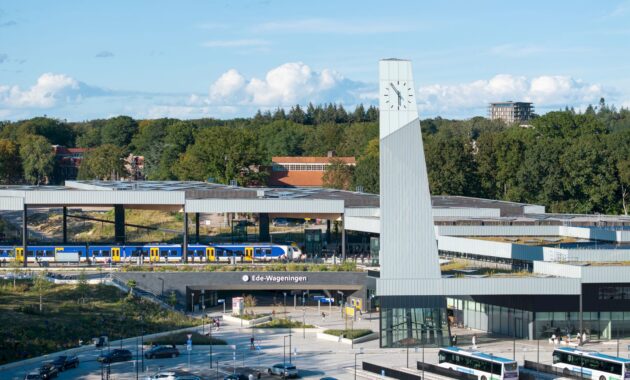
(474, 341)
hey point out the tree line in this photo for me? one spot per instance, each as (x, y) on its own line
(567, 160)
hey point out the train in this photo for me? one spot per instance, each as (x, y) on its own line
(153, 253)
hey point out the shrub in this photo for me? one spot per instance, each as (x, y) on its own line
(349, 334)
(283, 323)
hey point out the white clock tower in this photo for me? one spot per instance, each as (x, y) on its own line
(408, 248)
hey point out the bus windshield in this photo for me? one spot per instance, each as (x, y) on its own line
(510, 367)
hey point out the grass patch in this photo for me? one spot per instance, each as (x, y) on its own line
(249, 317)
(71, 313)
(349, 334)
(180, 338)
(273, 267)
(283, 323)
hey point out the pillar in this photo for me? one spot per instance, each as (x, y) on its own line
(65, 225)
(197, 228)
(343, 238)
(263, 223)
(185, 242)
(119, 224)
(25, 234)
(327, 232)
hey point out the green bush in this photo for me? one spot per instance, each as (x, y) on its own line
(282, 323)
(349, 334)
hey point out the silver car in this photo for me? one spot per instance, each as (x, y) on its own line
(283, 369)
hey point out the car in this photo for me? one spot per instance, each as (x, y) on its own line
(48, 370)
(64, 362)
(328, 378)
(283, 369)
(114, 356)
(236, 376)
(173, 375)
(162, 352)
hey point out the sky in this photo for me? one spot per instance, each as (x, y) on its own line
(79, 60)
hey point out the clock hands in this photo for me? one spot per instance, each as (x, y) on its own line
(397, 93)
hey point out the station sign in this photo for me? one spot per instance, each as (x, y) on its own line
(274, 278)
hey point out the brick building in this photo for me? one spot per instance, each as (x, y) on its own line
(302, 171)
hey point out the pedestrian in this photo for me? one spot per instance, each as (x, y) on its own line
(583, 337)
(251, 343)
(454, 339)
(323, 317)
(218, 324)
(474, 341)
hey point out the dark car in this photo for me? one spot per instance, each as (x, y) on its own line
(45, 372)
(236, 376)
(162, 352)
(114, 356)
(64, 362)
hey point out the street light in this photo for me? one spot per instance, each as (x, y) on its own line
(285, 303)
(161, 279)
(355, 361)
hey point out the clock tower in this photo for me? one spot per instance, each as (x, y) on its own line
(408, 247)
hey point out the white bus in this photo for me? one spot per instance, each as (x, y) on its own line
(592, 365)
(484, 366)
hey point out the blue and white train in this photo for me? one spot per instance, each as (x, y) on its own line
(153, 253)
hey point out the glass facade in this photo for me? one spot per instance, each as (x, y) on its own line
(402, 327)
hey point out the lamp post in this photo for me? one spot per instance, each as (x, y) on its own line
(162, 293)
(304, 325)
(581, 366)
(285, 303)
(211, 345)
(284, 349)
(355, 361)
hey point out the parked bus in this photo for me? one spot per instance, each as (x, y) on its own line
(484, 366)
(590, 364)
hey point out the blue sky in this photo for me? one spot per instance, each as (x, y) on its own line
(79, 60)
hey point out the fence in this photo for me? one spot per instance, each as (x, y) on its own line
(445, 371)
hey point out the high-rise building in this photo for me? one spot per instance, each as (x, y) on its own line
(511, 112)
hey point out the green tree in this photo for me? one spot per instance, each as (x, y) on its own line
(178, 137)
(366, 173)
(131, 284)
(38, 159)
(172, 299)
(10, 163)
(55, 131)
(104, 162)
(450, 164)
(41, 286)
(338, 175)
(82, 286)
(224, 154)
(118, 131)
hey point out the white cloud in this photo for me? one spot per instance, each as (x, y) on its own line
(235, 43)
(545, 91)
(288, 84)
(47, 92)
(228, 84)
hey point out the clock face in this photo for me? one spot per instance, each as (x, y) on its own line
(398, 95)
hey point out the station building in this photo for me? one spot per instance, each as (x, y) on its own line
(506, 268)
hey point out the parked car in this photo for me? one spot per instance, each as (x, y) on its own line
(283, 369)
(100, 341)
(64, 362)
(236, 376)
(34, 375)
(162, 352)
(114, 356)
(173, 375)
(45, 372)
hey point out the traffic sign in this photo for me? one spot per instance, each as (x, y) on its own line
(221, 301)
(189, 343)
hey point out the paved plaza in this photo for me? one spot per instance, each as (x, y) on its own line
(315, 358)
